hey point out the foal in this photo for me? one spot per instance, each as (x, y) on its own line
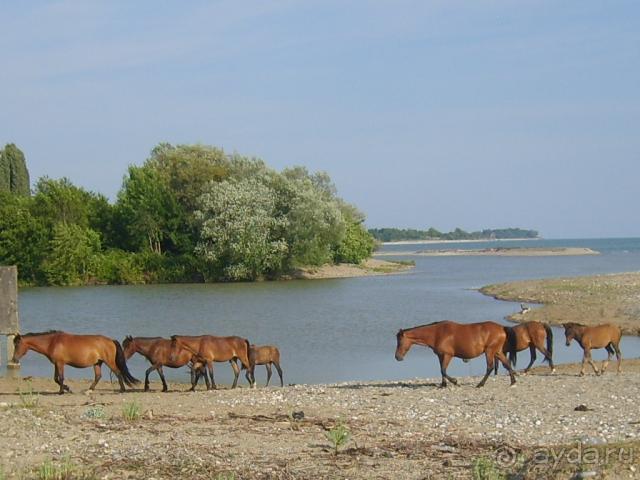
(601, 336)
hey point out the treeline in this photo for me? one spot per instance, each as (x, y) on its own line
(190, 213)
(398, 234)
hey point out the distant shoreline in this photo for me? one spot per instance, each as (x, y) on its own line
(427, 242)
(495, 252)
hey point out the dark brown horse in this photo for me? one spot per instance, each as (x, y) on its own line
(158, 352)
(79, 351)
(601, 336)
(450, 339)
(533, 335)
(209, 349)
(266, 355)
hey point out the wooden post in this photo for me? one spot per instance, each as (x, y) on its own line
(9, 309)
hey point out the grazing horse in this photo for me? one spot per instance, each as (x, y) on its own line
(266, 355)
(79, 351)
(601, 336)
(157, 351)
(450, 339)
(533, 335)
(209, 349)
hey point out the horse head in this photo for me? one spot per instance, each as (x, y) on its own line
(403, 345)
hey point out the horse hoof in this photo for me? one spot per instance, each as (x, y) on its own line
(88, 392)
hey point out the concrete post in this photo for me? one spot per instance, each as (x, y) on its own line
(9, 325)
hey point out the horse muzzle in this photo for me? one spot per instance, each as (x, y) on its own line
(399, 357)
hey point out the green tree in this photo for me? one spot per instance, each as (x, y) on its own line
(59, 201)
(240, 230)
(315, 223)
(356, 245)
(148, 211)
(14, 175)
(72, 256)
(24, 238)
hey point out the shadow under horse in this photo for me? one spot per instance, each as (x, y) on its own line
(449, 339)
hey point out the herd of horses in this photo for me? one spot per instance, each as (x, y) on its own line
(197, 352)
(446, 338)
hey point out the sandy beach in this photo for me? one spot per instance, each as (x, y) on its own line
(409, 430)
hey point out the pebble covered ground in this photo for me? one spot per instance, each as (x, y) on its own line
(410, 429)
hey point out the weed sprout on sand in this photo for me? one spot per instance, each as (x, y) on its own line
(28, 398)
(338, 436)
(131, 411)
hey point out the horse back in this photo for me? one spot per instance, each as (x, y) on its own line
(82, 350)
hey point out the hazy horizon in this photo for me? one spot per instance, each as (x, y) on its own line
(475, 115)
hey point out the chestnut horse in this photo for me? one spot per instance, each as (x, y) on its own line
(209, 349)
(157, 351)
(449, 339)
(79, 351)
(266, 355)
(601, 336)
(533, 335)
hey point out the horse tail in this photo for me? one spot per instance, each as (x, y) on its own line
(547, 329)
(512, 345)
(121, 363)
(249, 356)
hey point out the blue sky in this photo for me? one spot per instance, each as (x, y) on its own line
(474, 114)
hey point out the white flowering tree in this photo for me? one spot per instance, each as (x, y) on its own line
(241, 233)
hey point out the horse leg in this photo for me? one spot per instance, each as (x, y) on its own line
(587, 358)
(605, 363)
(236, 373)
(97, 371)
(490, 366)
(503, 359)
(616, 347)
(532, 349)
(60, 371)
(213, 382)
(146, 376)
(56, 378)
(444, 363)
(279, 373)
(268, 365)
(165, 388)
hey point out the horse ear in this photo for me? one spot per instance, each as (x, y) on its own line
(17, 338)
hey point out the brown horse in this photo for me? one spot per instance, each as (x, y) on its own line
(601, 336)
(211, 349)
(266, 355)
(79, 351)
(157, 351)
(450, 339)
(532, 335)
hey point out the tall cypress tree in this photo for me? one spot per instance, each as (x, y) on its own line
(18, 176)
(5, 173)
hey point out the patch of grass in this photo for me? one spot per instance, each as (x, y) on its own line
(28, 398)
(338, 436)
(132, 411)
(95, 412)
(484, 468)
(65, 470)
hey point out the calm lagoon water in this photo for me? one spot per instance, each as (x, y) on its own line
(327, 330)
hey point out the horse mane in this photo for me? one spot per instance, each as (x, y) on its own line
(35, 334)
(403, 330)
